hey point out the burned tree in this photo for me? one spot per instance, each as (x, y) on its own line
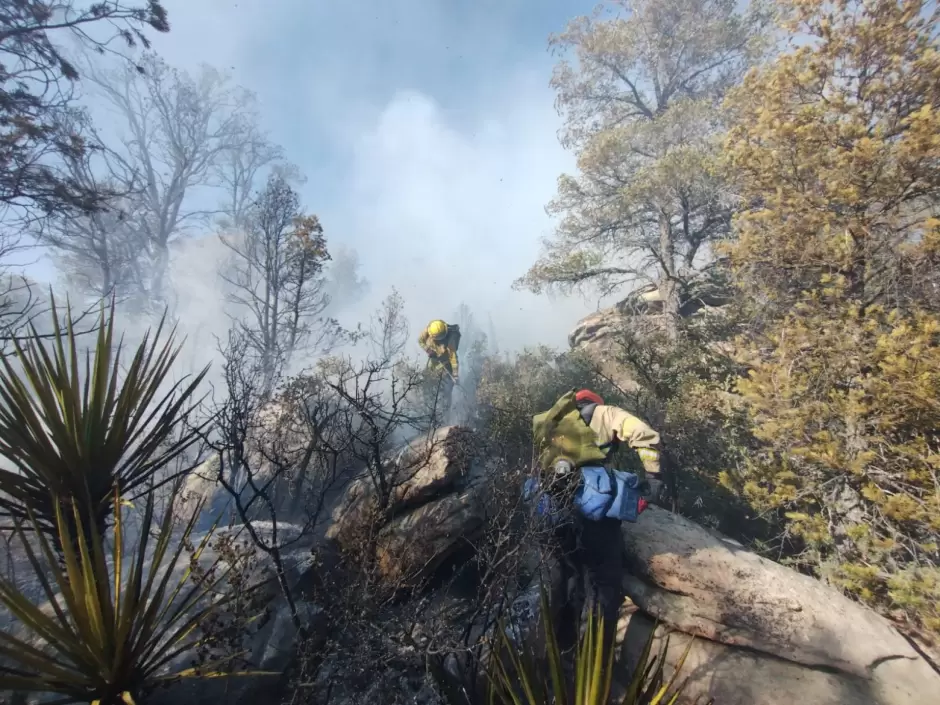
(36, 84)
(276, 280)
(278, 459)
(177, 130)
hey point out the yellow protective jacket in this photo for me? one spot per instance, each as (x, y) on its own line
(611, 424)
(442, 353)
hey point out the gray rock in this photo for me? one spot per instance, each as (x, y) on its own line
(767, 634)
(435, 508)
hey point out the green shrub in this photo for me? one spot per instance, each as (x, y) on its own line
(109, 630)
(519, 676)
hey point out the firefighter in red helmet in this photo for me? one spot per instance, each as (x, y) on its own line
(577, 435)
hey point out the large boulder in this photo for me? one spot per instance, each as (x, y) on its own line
(431, 508)
(597, 336)
(737, 676)
(413, 545)
(767, 634)
(421, 470)
(600, 335)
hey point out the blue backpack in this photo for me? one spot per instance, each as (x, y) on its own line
(533, 494)
(610, 494)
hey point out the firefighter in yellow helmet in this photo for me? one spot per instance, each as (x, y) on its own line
(440, 341)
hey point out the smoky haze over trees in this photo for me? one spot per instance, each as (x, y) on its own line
(41, 130)
(37, 82)
(175, 132)
(275, 278)
(184, 161)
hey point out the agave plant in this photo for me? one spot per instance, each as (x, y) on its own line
(108, 632)
(524, 681)
(76, 429)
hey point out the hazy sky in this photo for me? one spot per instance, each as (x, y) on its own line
(427, 132)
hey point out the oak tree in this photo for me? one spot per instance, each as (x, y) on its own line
(640, 96)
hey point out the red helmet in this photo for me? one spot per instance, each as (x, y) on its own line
(588, 396)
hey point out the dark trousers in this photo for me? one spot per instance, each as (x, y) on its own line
(594, 553)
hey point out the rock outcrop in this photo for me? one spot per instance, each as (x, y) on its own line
(597, 336)
(767, 635)
(431, 507)
(600, 334)
(764, 634)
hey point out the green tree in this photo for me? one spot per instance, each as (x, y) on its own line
(836, 152)
(641, 107)
(834, 146)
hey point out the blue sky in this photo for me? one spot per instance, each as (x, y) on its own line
(427, 131)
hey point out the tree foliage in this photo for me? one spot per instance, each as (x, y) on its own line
(36, 83)
(641, 109)
(835, 149)
(847, 407)
(276, 277)
(835, 146)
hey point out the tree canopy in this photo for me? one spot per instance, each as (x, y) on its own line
(835, 149)
(640, 93)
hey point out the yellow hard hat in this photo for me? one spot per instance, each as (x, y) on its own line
(437, 329)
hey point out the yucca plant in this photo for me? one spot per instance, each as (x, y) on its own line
(108, 631)
(75, 428)
(520, 676)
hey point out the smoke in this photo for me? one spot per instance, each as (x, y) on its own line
(453, 214)
(448, 213)
(428, 134)
(428, 179)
